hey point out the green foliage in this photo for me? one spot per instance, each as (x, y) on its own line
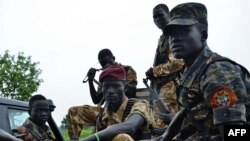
(85, 132)
(19, 76)
(64, 122)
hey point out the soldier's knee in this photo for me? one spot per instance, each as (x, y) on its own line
(71, 109)
(122, 137)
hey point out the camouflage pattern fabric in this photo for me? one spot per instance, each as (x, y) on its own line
(221, 78)
(161, 53)
(131, 79)
(86, 114)
(168, 95)
(173, 65)
(195, 12)
(79, 116)
(130, 74)
(29, 131)
(162, 70)
(141, 107)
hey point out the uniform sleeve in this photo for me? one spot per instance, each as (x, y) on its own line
(142, 107)
(223, 86)
(172, 66)
(24, 133)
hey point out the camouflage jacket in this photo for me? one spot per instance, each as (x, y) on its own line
(165, 63)
(166, 67)
(29, 131)
(130, 74)
(212, 96)
(108, 118)
(140, 106)
(161, 53)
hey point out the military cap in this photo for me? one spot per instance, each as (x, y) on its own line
(188, 14)
(115, 72)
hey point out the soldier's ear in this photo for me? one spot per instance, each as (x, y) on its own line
(204, 35)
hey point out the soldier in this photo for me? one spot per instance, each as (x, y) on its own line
(5, 136)
(165, 73)
(122, 118)
(106, 58)
(35, 128)
(86, 115)
(212, 86)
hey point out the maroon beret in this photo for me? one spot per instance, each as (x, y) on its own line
(113, 73)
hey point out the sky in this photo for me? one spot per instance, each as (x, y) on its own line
(65, 36)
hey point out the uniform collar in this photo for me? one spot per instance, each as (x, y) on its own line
(117, 116)
(37, 130)
(195, 67)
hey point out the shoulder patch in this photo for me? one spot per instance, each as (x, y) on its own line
(222, 97)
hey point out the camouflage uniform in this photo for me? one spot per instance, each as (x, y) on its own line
(211, 88)
(131, 79)
(139, 107)
(161, 53)
(211, 94)
(166, 72)
(86, 114)
(29, 131)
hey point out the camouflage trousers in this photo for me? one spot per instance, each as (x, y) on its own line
(79, 116)
(168, 96)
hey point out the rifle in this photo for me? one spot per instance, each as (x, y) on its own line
(52, 123)
(153, 96)
(86, 79)
(175, 126)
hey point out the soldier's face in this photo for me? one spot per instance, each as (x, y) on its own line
(185, 41)
(40, 112)
(114, 92)
(161, 17)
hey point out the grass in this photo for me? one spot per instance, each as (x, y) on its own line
(85, 132)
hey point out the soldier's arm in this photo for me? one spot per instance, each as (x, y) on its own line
(221, 94)
(5, 136)
(170, 67)
(95, 95)
(129, 126)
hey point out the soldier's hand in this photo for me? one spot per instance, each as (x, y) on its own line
(149, 73)
(91, 74)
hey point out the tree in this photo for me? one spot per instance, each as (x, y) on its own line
(19, 76)
(64, 122)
